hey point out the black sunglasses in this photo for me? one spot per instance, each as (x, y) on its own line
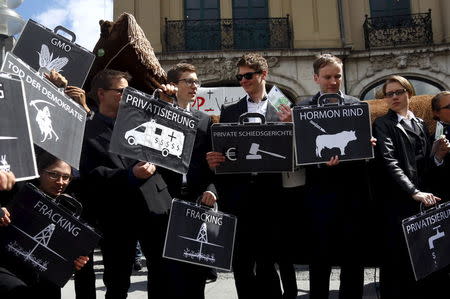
(247, 76)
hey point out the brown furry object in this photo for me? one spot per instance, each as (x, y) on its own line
(123, 46)
(420, 106)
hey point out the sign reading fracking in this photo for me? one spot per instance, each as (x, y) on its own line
(148, 129)
(16, 144)
(44, 50)
(57, 122)
(428, 238)
(44, 236)
(200, 235)
(322, 132)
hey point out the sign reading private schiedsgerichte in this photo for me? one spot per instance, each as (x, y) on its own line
(16, 144)
(44, 237)
(428, 239)
(44, 50)
(57, 122)
(200, 235)
(149, 129)
(322, 132)
(254, 147)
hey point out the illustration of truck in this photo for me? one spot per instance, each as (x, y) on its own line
(157, 137)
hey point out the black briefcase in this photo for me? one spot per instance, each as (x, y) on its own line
(16, 144)
(253, 147)
(47, 235)
(200, 235)
(327, 130)
(44, 50)
(149, 129)
(427, 235)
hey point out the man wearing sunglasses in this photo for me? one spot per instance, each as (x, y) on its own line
(250, 196)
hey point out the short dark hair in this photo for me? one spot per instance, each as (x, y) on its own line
(254, 61)
(44, 159)
(324, 60)
(402, 81)
(175, 72)
(435, 101)
(104, 78)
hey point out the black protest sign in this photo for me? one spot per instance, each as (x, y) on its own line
(16, 144)
(45, 237)
(253, 147)
(42, 49)
(148, 129)
(200, 235)
(428, 238)
(322, 132)
(57, 122)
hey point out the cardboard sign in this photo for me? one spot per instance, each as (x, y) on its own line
(200, 235)
(211, 99)
(16, 144)
(254, 147)
(44, 236)
(427, 235)
(322, 132)
(43, 49)
(57, 122)
(149, 129)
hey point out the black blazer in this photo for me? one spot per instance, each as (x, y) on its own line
(235, 195)
(395, 153)
(109, 184)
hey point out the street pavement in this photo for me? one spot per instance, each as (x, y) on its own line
(224, 288)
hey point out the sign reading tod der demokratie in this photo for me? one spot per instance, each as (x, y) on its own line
(16, 144)
(428, 238)
(322, 132)
(149, 129)
(45, 237)
(57, 122)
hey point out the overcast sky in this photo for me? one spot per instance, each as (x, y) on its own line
(79, 16)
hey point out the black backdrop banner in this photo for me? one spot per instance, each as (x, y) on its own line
(200, 235)
(43, 49)
(322, 132)
(427, 235)
(44, 236)
(149, 129)
(16, 144)
(57, 122)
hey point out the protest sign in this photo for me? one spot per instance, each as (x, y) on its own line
(211, 99)
(44, 50)
(57, 122)
(16, 144)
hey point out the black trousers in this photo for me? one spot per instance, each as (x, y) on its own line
(85, 280)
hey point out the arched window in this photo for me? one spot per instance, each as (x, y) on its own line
(421, 85)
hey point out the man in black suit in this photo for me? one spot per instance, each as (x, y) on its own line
(130, 198)
(198, 182)
(250, 196)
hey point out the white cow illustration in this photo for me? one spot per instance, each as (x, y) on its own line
(339, 140)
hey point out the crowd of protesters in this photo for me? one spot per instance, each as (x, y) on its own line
(129, 201)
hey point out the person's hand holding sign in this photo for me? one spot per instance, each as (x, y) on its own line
(56, 78)
(144, 170)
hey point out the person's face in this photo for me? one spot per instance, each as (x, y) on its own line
(397, 97)
(187, 85)
(444, 112)
(110, 97)
(55, 178)
(255, 83)
(329, 78)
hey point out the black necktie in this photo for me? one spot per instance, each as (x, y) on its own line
(415, 127)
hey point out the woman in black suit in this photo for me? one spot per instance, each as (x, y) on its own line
(403, 158)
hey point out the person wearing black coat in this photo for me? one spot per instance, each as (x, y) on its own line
(130, 198)
(404, 160)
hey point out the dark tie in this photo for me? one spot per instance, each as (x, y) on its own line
(415, 127)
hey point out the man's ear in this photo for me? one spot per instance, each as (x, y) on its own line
(316, 78)
(100, 94)
(264, 74)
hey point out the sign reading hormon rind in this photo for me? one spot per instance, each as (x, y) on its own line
(332, 130)
(149, 129)
(16, 144)
(57, 122)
